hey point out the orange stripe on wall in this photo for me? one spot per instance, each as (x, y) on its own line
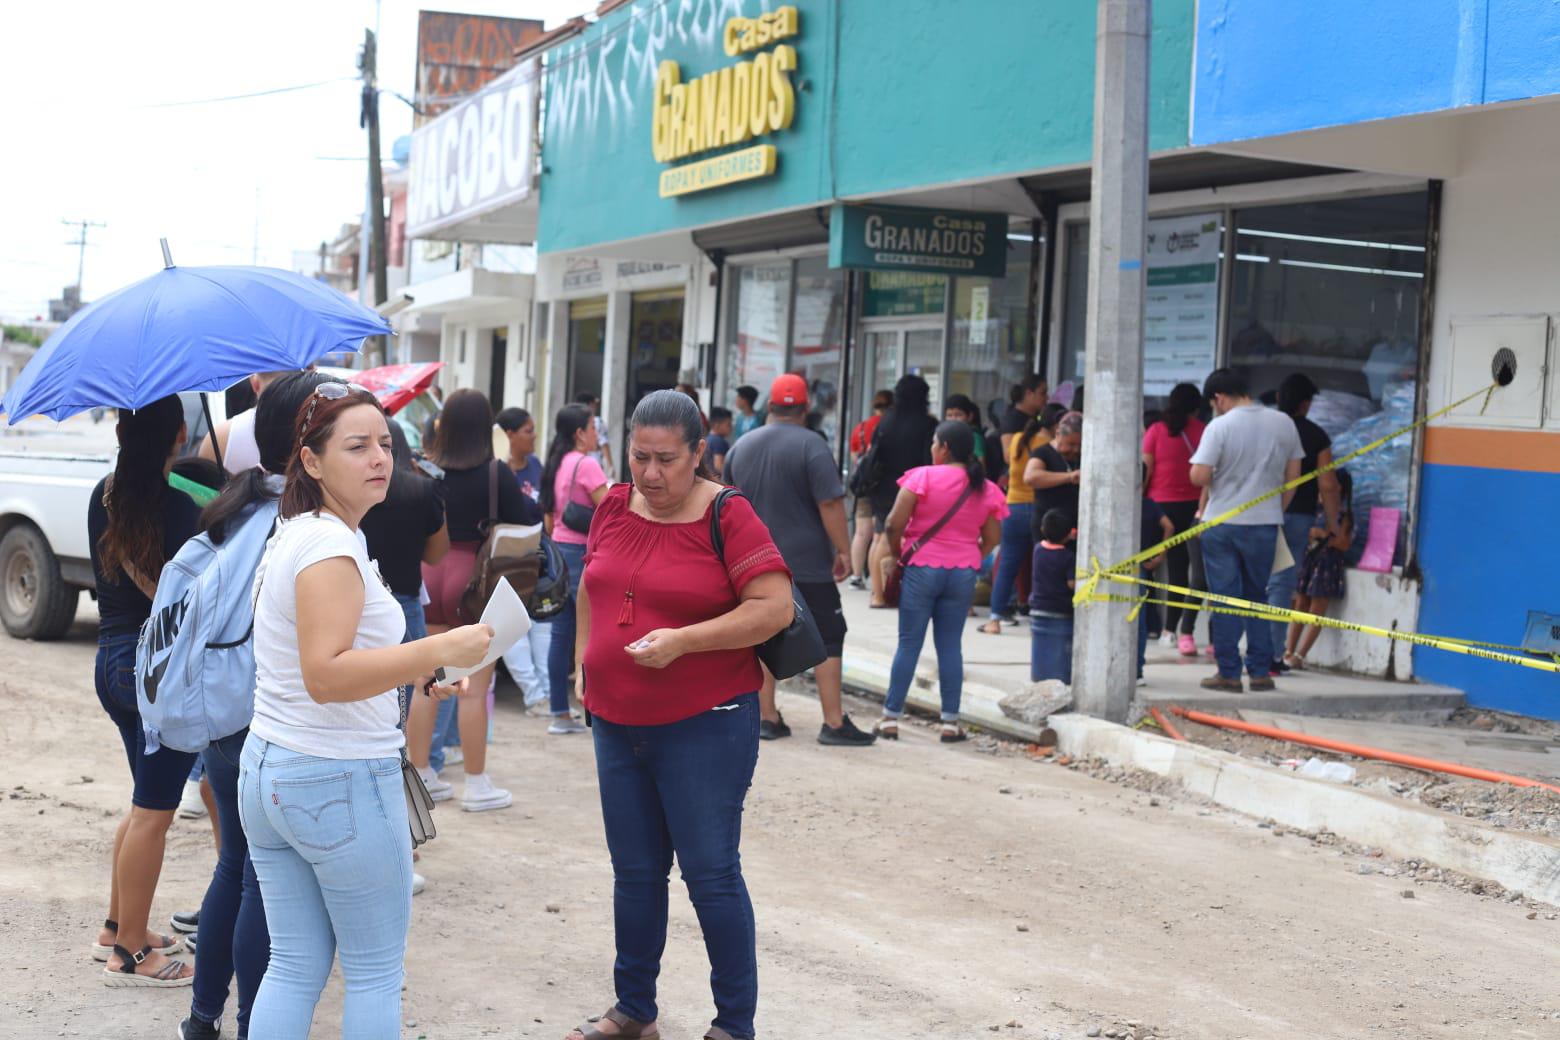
(1524, 450)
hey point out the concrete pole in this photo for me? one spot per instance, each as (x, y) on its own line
(1105, 644)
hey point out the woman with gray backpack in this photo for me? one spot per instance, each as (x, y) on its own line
(136, 523)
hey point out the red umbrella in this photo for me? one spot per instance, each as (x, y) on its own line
(396, 385)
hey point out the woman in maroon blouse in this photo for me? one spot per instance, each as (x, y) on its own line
(670, 677)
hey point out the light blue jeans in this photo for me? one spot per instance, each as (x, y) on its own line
(527, 663)
(1281, 586)
(941, 597)
(331, 847)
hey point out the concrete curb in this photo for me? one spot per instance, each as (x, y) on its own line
(1525, 863)
(867, 673)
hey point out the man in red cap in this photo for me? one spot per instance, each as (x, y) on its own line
(787, 472)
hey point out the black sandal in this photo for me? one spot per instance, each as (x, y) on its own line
(168, 976)
(166, 944)
(631, 1029)
(953, 733)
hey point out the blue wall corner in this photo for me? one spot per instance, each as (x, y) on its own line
(1484, 568)
(1266, 67)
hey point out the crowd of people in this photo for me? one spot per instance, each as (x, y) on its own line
(361, 598)
(1207, 451)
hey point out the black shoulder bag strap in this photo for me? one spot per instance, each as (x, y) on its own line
(942, 522)
(717, 539)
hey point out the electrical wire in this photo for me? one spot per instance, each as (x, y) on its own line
(256, 94)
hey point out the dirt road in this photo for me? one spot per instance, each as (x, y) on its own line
(909, 891)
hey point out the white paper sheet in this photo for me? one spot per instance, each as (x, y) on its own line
(510, 622)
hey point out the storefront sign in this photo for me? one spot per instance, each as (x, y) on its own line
(980, 313)
(1181, 305)
(899, 238)
(477, 157)
(729, 106)
(893, 294)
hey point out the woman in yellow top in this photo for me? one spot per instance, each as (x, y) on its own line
(1017, 539)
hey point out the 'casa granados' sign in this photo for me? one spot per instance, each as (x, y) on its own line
(901, 238)
(729, 106)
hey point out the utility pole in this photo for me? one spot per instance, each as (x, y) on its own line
(368, 63)
(81, 255)
(1105, 644)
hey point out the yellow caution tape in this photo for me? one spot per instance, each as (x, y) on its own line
(1217, 603)
(1088, 582)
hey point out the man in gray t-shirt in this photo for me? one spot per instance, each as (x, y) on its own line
(1247, 451)
(786, 471)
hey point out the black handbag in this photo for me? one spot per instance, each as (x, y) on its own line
(575, 516)
(868, 474)
(798, 646)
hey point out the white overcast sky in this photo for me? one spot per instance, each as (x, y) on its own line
(79, 140)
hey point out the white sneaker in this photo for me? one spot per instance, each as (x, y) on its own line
(439, 790)
(418, 883)
(454, 756)
(565, 724)
(481, 795)
(191, 807)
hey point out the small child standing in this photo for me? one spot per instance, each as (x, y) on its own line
(1321, 577)
(1054, 575)
(718, 443)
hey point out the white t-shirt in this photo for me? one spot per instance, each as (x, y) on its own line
(242, 452)
(285, 714)
(1248, 448)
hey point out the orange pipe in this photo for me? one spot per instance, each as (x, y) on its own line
(1361, 751)
(1165, 724)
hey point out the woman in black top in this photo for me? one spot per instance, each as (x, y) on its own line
(463, 447)
(135, 524)
(1052, 470)
(904, 441)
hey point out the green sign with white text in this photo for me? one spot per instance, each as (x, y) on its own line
(900, 238)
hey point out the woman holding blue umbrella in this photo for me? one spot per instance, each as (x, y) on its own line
(135, 524)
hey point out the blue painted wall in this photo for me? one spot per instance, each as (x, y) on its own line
(892, 94)
(1484, 569)
(1267, 67)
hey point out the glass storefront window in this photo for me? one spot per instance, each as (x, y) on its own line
(818, 339)
(1332, 289)
(655, 338)
(760, 314)
(1075, 304)
(992, 346)
(587, 345)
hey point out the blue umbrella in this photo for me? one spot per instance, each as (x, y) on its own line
(186, 328)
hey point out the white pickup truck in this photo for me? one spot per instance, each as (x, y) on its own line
(47, 473)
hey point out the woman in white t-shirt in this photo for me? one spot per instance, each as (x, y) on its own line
(320, 791)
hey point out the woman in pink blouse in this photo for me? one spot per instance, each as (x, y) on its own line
(950, 515)
(1167, 459)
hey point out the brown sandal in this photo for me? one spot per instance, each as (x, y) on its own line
(629, 1029)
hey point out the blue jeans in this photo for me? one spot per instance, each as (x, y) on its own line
(1050, 648)
(560, 655)
(1238, 559)
(233, 938)
(158, 778)
(527, 663)
(680, 788)
(331, 848)
(1281, 586)
(1018, 545)
(940, 596)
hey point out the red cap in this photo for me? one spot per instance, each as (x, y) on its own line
(788, 389)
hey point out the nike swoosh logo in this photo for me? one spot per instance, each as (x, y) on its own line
(154, 679)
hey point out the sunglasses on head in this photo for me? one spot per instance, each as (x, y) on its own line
(334, 390)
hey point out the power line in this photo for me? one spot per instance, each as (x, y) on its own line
(256, 94)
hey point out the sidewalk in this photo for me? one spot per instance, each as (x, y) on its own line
(995, 666)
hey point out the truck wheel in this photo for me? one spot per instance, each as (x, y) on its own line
(35, 602)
